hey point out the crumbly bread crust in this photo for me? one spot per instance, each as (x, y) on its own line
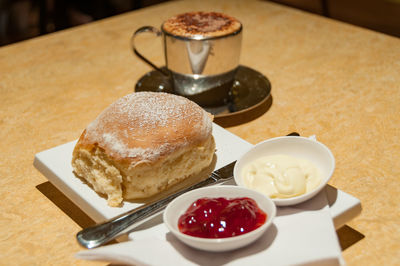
(207, 24)
(142, 144)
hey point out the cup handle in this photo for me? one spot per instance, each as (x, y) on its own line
(158, 33)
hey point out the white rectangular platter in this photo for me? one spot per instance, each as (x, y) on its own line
(55, 165)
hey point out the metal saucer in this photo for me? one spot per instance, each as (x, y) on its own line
(250, 91)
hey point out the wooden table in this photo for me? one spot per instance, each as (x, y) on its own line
(337, 81)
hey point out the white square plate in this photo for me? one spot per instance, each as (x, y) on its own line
(55, 165)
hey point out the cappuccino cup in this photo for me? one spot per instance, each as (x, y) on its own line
(202, 51)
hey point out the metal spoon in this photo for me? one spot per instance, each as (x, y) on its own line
(102, 233)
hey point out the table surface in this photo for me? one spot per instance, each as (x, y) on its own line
(331, 79)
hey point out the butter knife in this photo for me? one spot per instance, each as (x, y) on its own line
(102, 233)
(99, 234)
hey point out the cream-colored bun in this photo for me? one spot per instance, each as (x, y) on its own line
(142, 144)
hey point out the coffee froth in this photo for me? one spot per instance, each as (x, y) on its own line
(206, 24)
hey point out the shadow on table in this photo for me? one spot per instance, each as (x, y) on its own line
(65, 204)
(348, 236)
(245, 116)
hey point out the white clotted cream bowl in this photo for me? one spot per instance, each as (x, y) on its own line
(298, 147)
(179, 205)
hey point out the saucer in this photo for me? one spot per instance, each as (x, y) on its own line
(250, 89)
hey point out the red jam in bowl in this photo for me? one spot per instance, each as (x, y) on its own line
(221, 217)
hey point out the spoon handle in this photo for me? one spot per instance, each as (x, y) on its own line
(100, 234)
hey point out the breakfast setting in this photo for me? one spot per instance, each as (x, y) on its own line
(202, 133)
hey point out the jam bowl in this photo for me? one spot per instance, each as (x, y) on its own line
(179, 207)
(299, 149)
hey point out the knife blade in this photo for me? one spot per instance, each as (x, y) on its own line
(102, 233)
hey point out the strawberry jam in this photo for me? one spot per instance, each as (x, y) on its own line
(221, 217)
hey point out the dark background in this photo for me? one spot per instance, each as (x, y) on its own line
(24, 19)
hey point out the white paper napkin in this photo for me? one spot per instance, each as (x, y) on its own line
(303, 234)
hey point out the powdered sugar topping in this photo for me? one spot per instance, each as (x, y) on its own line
(145, 125)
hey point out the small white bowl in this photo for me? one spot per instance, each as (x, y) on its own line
(298, 147)
(179, 205)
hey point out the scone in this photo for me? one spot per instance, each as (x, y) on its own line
(142, 144)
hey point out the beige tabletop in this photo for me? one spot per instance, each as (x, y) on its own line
(337, 81)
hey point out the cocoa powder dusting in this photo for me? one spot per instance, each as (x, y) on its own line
(195, 23)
